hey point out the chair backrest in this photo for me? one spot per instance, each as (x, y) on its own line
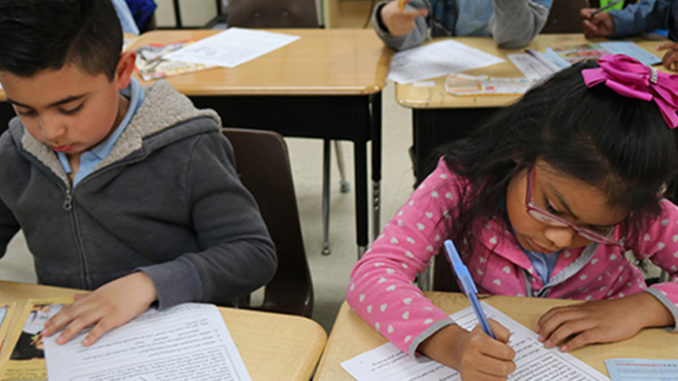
(263, 165)
(272, 14)
(564, 16)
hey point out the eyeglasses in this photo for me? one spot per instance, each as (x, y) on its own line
(547, 218)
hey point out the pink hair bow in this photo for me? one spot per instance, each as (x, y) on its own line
(630, 78)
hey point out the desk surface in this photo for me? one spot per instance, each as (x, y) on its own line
(273, 346)
(436, 97)
(351, 336)
(322, 61)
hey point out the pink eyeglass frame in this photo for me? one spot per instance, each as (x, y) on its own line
(543, 216)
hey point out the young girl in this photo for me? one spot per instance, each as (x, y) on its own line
(543, 201)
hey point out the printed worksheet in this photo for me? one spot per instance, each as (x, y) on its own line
(533, 360)
(186, 342)
(436, 59)
(642, 369)
(232, 47)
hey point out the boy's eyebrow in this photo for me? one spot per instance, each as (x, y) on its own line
(57, 103)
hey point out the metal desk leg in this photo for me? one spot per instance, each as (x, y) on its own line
(360, 164)
(326, 197)
(376, 162)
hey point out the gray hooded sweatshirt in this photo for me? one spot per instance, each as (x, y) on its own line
(166, 201)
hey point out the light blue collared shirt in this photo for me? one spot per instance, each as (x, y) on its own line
(90, 159)
(543, 263)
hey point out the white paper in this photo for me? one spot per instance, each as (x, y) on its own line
(531, 67)
(436, 59)
(232, 47)
(534, 362)
(186, 342)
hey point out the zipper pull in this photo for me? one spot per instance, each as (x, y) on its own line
(68, 202)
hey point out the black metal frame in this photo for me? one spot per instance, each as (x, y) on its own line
(330, 117)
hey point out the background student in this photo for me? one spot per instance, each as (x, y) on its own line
(126, 191)
(511, 23)
(542, 201)
(642, 17)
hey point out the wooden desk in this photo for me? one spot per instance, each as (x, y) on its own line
(273, 346)
(439, 117)
(351, 336)
(325, 85)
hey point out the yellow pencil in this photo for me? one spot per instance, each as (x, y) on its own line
(401, 5)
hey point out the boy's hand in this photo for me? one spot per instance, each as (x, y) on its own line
(600, 25)
(400, 23)
(601, 321)
(111, 305)
(670, 59)
(474, 354)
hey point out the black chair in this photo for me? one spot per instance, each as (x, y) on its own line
(263, 165)
(564, 16)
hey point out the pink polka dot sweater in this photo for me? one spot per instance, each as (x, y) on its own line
(382, 293)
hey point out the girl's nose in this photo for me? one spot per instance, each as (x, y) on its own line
(560, 236)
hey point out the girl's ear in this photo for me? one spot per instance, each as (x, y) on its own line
(125, 68)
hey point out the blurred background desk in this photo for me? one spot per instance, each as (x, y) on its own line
(273, 346)
(351, 336)
(439, 117)
(325, 85)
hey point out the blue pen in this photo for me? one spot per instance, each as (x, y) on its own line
(468, 285)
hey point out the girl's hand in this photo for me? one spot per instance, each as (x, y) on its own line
(598, 25)
(400, 23)
(111, 305)
(474, 354)
(601, 321)
(670, 59)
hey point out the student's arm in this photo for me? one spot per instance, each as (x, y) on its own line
(401, 29)
(643, 16)
(237, 253)
(515, 23)
(621, 318)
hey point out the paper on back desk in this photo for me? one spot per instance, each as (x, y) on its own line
(533, 360)
(436, 59)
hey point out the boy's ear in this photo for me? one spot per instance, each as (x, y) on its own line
(125, 68)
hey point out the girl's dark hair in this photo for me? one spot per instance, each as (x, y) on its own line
(39, 35)
(621, 145)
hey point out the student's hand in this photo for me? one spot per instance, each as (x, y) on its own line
(600, 25)
(111, 305)
(476, 356)
(400, 23)
(601, 321)
(670, 59)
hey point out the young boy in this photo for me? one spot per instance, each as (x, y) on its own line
(129, 192)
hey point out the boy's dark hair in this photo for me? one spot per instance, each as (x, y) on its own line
(621, 145)
(38, 35)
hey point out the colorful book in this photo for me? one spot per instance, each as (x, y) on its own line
(151, 62)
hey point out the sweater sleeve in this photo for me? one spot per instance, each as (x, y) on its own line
(514, 23)
(659, 244)
(237, 254)
(381, 289)
(643, 16)
(410, 40)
